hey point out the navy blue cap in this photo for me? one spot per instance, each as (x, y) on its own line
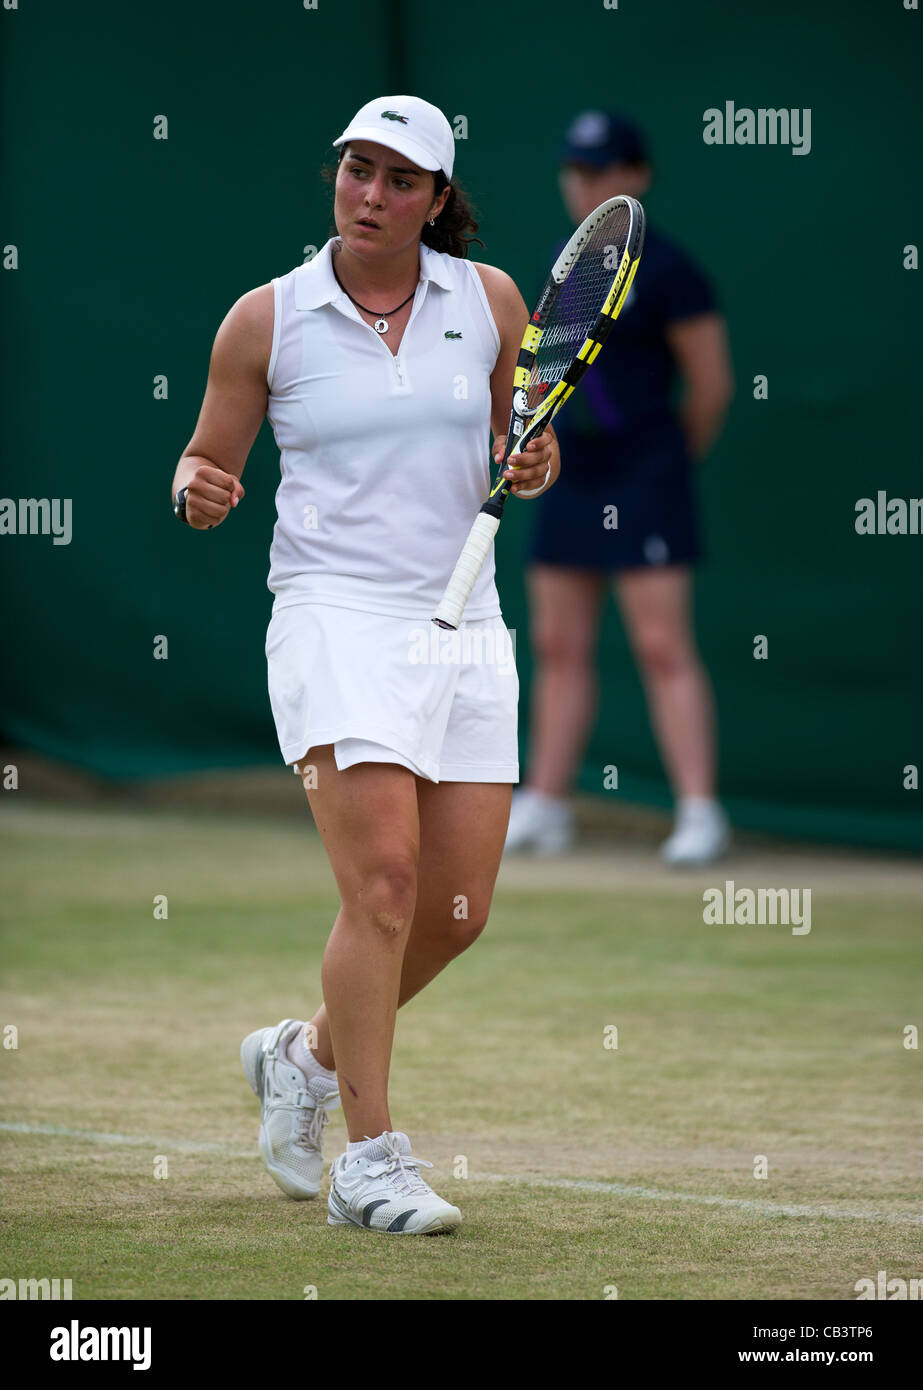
(600, 138)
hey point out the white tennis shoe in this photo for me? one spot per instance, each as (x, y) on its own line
(541, 823)
(381, 1189)
(701, 835)
(294, 1110)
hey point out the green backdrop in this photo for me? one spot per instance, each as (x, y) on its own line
(130, 250)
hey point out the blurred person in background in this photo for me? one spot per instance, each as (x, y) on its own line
(626, 443)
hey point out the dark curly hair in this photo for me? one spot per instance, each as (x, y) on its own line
(455, 226)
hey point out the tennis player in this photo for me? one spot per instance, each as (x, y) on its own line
(382, 363)
(632, 453)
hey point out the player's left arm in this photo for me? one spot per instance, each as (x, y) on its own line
(511, 316)
(700, 348)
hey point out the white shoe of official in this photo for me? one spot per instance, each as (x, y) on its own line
(382, 1190)
(294, 1110)
(540, 822)
(701, 835)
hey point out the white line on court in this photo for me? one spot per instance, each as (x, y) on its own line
(659, 1194)
(134, 1141)
(605, 1189)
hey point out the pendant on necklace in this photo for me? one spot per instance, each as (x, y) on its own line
(381, 325)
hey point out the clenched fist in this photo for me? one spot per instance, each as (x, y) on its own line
(210, 495)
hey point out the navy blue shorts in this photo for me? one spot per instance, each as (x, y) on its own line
(620, 503)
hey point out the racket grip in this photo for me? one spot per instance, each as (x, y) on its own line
(467, 569)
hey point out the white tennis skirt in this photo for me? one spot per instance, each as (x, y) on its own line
(395, 690)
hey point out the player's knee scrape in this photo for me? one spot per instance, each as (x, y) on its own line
(390, 923)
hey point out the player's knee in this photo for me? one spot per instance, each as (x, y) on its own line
(388, 896)
(661, 655)
(555, 645)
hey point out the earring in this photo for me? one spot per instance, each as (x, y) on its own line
(432, 221)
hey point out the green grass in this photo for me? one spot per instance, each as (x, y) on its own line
(733, 1042)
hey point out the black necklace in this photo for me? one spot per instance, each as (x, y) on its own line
(381, 324)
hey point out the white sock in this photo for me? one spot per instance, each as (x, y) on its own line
(300, 1055)
(696, 803)
(546, 797)
(369, 1148)
(375, 1147)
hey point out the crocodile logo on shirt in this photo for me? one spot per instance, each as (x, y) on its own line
(450, 333)
(393, 116)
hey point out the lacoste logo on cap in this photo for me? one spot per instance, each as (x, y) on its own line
(590, 128)
(393, 116)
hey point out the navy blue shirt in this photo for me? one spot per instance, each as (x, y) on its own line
(631, 385)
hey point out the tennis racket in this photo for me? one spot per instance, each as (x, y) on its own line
(581, 300)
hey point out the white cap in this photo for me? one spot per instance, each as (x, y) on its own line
(409, 125)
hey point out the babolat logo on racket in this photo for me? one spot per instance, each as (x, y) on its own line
(393, 116)
(450, 333)
(542, 303)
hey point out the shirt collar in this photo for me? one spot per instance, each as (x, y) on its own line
(315, 283)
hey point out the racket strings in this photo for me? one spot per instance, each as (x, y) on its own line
(579, 302)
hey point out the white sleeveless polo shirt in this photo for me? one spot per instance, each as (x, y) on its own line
(385, 460)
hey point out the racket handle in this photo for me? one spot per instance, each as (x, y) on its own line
(470, 561)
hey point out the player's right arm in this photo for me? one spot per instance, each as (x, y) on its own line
(700, 348)
(235, 402)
